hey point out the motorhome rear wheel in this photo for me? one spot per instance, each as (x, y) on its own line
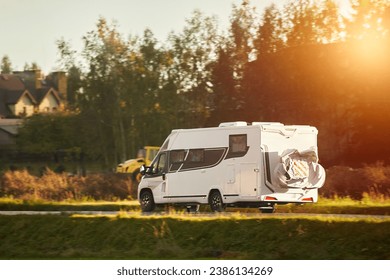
(215, 201)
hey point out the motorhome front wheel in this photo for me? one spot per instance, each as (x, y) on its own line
(147, 201)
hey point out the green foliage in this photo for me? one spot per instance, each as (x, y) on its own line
(269, 34)
(312, 22)
(242, 33)
(337, 205)
(68, 62)
(32, 66)
(128, 93)
(81, 204)
(6, 65)
(94, 237)
(226, 99)
(49, 133)
(193, 50)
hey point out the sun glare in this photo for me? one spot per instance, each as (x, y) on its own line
(371, 50)
(345, 8)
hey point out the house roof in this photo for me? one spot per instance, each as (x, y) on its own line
(13, 96)
(40, 94)
(12, 89)
(14, 86)
(4, 111)
(11, 82)
(10, 125)
(10, 97)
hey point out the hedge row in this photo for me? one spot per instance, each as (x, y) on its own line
(341, 181)
(59, 186)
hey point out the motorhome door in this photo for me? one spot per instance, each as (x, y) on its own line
(157, 180)
(249, 179)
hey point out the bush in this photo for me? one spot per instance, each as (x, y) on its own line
(103, 186)
(342, 181)
(372, 180)
(19, 184)
(57, 187)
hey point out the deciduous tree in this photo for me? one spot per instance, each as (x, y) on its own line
(6, 65)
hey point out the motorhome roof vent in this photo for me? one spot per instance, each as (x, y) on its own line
(266, 123)
(227, 124)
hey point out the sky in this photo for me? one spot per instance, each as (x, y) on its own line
(30, 28)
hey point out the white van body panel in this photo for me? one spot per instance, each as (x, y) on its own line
(248, 164)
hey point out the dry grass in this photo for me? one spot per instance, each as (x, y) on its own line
(53, 186)
(369, 184)
(370, 181)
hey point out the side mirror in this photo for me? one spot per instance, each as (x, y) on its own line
(142, 169)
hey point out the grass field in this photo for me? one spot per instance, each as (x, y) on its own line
(176, 235)
(7, 204)
(368, 206)
(190, 237)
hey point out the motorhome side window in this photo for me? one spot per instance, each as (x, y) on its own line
(161, 164)
(176, 159)
(177, 156)
(237, 143)
(196, 155)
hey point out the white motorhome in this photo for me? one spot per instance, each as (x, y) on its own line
(236, 164)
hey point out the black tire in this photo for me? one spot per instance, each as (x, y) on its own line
(215, 202)
(268, 209)
(147, 201)
(193, 208)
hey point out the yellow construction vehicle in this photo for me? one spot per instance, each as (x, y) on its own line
(132, 166)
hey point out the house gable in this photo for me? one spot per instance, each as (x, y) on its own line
(25, 93)
(50, 102)
(24, 106)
